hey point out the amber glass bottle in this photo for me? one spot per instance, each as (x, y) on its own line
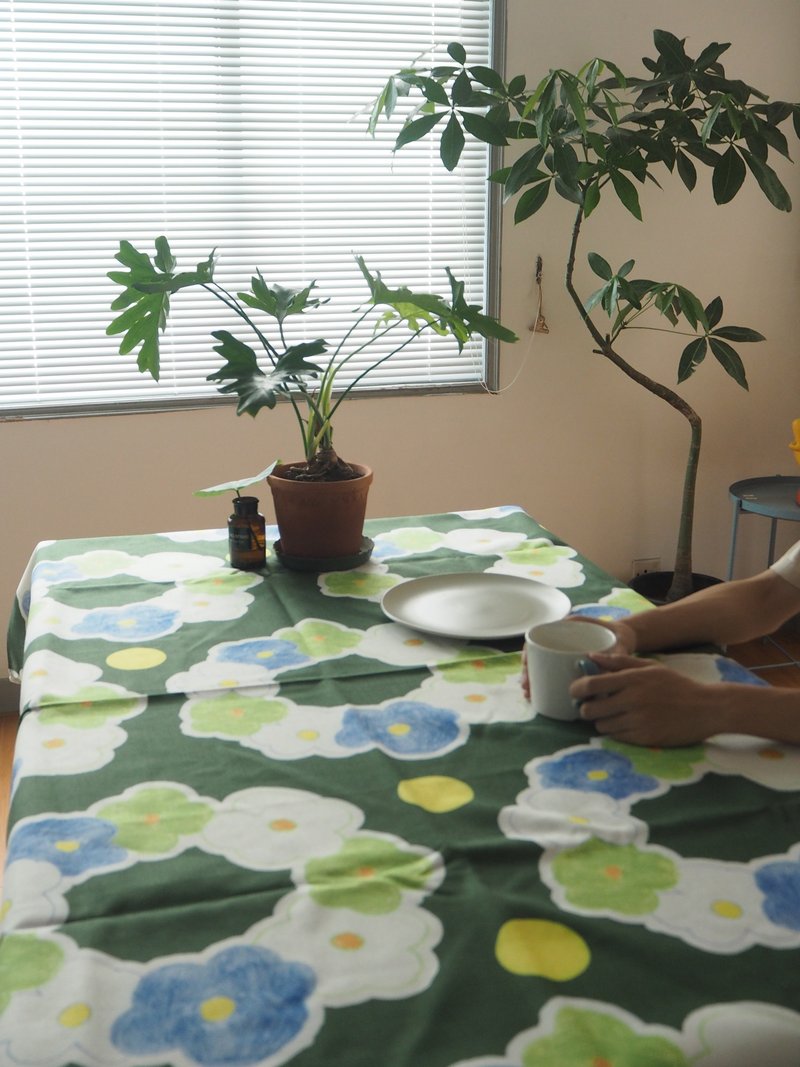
(247, 541)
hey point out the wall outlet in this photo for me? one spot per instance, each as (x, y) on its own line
(645, 566)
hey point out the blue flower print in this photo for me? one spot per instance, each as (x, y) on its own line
(596, 771)
(242, 1007)
(405, 727)
(268, 652)
(780, 884)
(601, 611)
(73, 845)
(734, 672)
(54, 571)
(132, 622)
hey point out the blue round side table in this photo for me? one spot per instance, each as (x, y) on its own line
(775, 497)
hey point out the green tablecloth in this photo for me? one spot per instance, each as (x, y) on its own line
(256, 822)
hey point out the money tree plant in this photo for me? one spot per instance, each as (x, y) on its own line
(595, 136)
(310, 375)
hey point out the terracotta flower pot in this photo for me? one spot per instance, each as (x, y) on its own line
(320, 520)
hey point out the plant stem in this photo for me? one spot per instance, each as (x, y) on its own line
(682, 578)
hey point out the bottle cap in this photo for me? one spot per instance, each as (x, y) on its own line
(245, 505)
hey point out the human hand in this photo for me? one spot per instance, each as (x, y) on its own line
(641, 702)
(625, 643)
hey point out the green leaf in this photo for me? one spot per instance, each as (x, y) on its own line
(738, 333)
(714, 312)
(686, 170)
(482, 129)
(769, 182)
(691, 358)
(708, 125)
(626, 192)
(729, 360)
(237, 483)
(524, 171)
(433, 91)
(462, 89)
(591, 198)
(693, 310)
(729, 174)
(457, 52)
(417, 129)
(531, 200)
(672, 50)
(565, 162)
(489, 77)
(452, 143)
(600, 266)
(278, 301)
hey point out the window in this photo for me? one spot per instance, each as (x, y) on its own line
(238, 125)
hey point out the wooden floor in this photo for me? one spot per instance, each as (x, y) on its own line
(775, 659)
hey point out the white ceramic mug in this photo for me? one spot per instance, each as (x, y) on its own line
(554, 651)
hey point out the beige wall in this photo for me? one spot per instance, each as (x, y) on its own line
(589, 454)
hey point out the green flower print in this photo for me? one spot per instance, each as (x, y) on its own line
(154, 819)
(26, 962)
(234, 715)
(481, 665)
(671, 764)
(358, 583)
(221, 584)
(90, 706)
(540, 553)
(627, 599)
(590, 1037)
(415, 539)
(367, 875)
(621, 878)
(319, 640)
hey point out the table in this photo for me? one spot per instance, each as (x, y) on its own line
(774, 496)
(255, 822)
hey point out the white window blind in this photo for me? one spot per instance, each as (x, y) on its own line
(238, 125)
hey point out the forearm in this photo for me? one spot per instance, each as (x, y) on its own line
(761, 711)
(723, 614)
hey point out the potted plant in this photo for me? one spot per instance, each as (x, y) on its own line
(320, 500)
(590, 137)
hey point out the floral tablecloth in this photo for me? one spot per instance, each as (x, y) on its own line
(255, 822)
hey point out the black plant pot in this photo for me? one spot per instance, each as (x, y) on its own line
(655, 584)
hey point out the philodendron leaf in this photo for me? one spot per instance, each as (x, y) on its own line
(237, 484)
(147, 286)
(243, 376)
(277, 301)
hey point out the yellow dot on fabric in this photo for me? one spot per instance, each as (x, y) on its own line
(399, 728)
(5, 908)
(536, 572)
(217, 1009)
(136, 659)
(581, 820)
(41, 673)
(435, 793)
(69, 845)
(726, 909)
(74, 1015)
(597, 776)
(413, 642)
(229, 683)
(308, 735)
(347, 941)
(265, 653)
(126, 624)
(475, 698)
(54, 742)
(282, 826)
(542, 948)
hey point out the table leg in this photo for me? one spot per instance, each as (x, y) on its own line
(732, 553)
(772, 528)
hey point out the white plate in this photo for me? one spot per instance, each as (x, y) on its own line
(475, 605)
